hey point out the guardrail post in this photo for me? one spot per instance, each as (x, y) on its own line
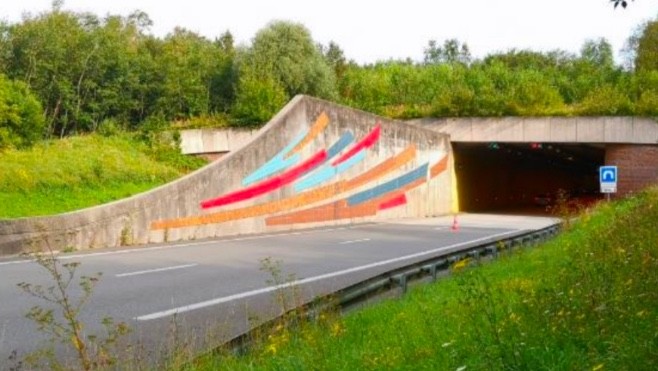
(401, 281)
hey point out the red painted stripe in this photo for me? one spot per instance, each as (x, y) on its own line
(393, 202)
(268, 185)
(366, 142)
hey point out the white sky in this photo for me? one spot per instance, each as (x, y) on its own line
(371, 30)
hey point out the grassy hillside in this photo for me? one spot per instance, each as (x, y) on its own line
(77, 172)
(585, 301)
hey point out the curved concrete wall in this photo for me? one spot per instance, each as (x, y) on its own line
(395, 170)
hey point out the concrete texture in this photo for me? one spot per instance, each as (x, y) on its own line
(629, 130)
(130, 221)
(203, 141)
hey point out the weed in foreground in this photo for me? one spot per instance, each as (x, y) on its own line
(60, 319)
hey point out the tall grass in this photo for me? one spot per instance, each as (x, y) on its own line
(587, 300)
(76, 172)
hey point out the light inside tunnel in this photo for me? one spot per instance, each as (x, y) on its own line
(524, 176)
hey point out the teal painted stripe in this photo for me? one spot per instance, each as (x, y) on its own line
(389, 186)
(340, 145)
(276, 163)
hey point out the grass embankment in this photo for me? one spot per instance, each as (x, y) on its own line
(77, 172)
(587, 300)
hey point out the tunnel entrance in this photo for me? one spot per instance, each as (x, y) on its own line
(525, 177)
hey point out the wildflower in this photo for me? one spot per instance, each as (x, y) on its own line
(461, 264)
(445, 345)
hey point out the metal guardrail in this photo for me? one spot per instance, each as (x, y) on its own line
(400, 277)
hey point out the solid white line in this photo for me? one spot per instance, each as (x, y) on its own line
(156, 270)
(353, 241)
(166, 247)
(208, 303)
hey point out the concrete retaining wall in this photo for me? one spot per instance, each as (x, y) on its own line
(636, 130)
(172, 212)
(210, 141)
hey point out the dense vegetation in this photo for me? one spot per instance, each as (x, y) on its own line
(88, 72)
(584, 301)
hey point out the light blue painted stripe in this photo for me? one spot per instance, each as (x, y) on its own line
(276, 163)
(340, 145)
(358, 157)
(321, 175)
(327, 172)
(389, 186)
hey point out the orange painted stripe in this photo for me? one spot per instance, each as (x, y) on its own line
(339, 209)
(383, 168)
(296, 201)
(320, 124)
(439, 167)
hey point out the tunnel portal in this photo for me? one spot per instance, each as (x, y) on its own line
(499, 177)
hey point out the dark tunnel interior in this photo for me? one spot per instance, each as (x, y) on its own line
(525, 176)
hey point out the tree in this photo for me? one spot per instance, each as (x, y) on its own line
(287, 52)
(646, 52)
(335, 57)
(21, 122)
(598, 52)
(452, 52)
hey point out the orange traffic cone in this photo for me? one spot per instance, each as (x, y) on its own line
(455, 224)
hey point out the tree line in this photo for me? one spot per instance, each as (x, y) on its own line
(64, 72)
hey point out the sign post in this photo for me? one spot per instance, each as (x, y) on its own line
(608, 180)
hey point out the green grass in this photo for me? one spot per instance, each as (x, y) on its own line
(73, 173)
(588, 300)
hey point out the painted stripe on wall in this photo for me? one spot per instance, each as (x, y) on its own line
(389, 186)
(296, 201)
(385, 167)
(367, 142)
(396, 201)
(268, 185)
(320, 124)
(345, 140)
(328, 172)
(276, 163)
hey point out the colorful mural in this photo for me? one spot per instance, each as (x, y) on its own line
(380, 187)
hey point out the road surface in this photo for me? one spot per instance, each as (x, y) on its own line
(201, 292)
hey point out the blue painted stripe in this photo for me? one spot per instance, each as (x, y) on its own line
(276, 163)
(389, 186)
(340, 145)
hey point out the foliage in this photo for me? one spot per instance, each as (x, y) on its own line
(646, 57)
(585, 300)
(60, 318)
(286, 52)
(21, 123)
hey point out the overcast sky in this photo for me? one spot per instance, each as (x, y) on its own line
(371, 30)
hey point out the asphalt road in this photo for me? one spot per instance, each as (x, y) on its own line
(197, 293)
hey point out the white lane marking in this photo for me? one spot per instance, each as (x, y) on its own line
(166, 247)
(354, 241)
(225, 299)
(156, 270)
